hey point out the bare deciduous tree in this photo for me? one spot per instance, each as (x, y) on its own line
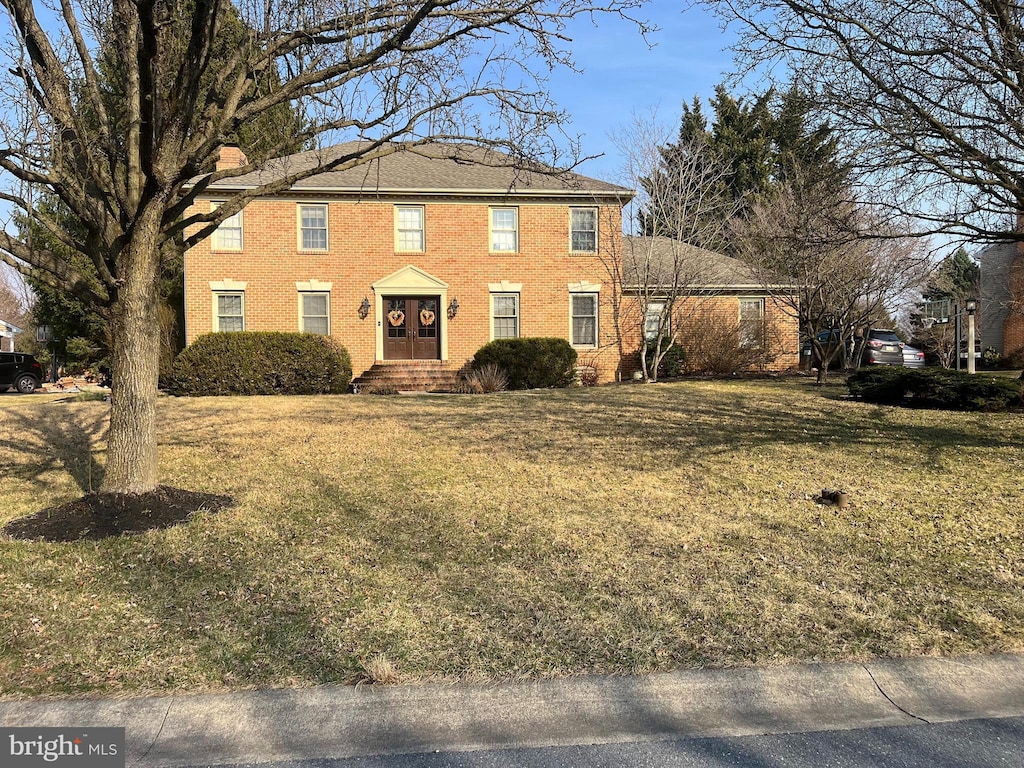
(929, 95)
(657, 278)
(829, 264)
(118, 109)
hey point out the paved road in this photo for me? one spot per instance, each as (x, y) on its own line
(965, 744)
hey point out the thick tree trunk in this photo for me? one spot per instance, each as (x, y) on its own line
(135, 363)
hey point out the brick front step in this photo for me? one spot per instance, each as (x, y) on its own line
(411, 376)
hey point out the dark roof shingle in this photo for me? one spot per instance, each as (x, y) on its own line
(654, 261)
(434, 167)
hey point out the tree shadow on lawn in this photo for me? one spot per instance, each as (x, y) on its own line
(246, 605)
(97, 516)
(241, 602)
(61, 439)
(672, 432)
(192, 623)
(57, 438)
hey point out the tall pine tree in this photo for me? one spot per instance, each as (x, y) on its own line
(763, 141)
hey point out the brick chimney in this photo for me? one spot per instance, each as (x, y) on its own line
(230, 157)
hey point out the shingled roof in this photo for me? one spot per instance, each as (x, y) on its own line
(437, 168)
(659, 258)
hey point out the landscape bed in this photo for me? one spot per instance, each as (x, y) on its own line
(613, 529)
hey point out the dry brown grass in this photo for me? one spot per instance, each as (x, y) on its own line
(523, 534)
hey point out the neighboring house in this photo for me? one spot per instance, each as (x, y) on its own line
(712, 291)
(1001, 309)
(7, 333)
(415, 260)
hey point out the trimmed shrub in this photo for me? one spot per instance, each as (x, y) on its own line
(956, 390)
(935, 388)
(672, 365)
(532, 363)
(883, 384)
(262, 363)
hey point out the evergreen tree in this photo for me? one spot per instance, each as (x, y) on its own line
(764, 142)
(958, 277)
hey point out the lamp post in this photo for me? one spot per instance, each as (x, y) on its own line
(971, 305)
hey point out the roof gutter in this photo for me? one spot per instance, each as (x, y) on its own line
(624, 194)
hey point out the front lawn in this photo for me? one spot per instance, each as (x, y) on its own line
(619, 529)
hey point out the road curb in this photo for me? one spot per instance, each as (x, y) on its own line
(337, 721)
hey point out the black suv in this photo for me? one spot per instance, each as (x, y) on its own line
(19, 370)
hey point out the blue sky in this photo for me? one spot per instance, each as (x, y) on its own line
(622, 76)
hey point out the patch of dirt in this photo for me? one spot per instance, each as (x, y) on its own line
(98, 516)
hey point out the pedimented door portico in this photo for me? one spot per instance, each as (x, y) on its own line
(412, 323)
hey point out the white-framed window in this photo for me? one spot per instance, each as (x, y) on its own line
(653, 320)
(228, 235)
(583, 230)
(230, 308)
(315, 312)
(505, 308)
(504, 230)
(409, 228)
(751, 322)
(583, 308)
(313, 226)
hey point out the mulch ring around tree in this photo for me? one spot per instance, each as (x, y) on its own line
(98, 516)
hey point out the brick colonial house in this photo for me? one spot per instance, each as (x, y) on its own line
(415, 260)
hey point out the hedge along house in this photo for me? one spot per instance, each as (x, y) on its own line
(414, 261)
(715, 307)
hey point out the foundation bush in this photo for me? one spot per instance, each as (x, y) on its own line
(531, 363)
(261, 363)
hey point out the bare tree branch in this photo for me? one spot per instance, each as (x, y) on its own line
(930, 97)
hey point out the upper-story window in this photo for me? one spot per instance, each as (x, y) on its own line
(505, 230)
(409, 227)
(228, 235)
(313, 227)
(583, 230)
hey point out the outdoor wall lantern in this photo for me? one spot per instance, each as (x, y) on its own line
(971, 305)
(453, 309)
(364, 308)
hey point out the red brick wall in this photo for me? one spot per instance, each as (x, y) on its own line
(1013, 326)
(361, 251)
(781, 350)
